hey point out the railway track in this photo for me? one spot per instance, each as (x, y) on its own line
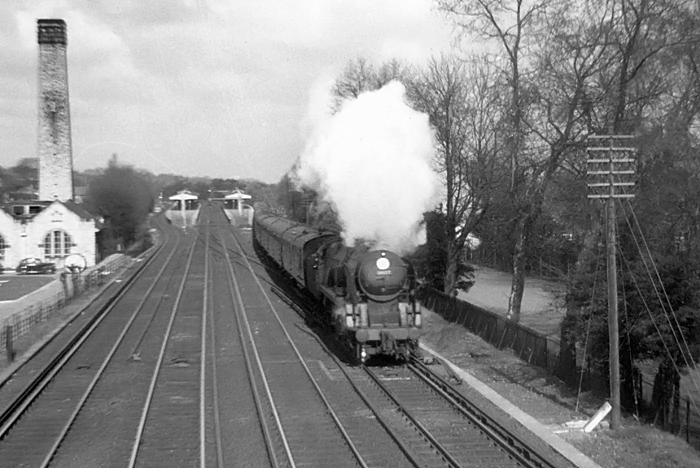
(457, 430)
(48, 421)
(300, 425)
(426, 421)
(195, 363)
(169, 431)
(432, 422)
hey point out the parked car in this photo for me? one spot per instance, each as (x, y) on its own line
(35, 266)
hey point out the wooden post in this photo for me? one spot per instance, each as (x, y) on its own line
(687, 420)
(9, 344)
(611, 175)
(614, 334)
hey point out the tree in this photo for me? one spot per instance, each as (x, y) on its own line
(507, 23)
(430, 258)
(460, 100)
(646, 84)
(259, 191)
(21, 180)
(626, 92)
(361, 75)
(27, 171)
(180, 183)
(542, 108)
(664, 330)
(123, 198)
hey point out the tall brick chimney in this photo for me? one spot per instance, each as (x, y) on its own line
(54, 137)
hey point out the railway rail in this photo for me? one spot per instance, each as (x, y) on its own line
(169, 430)
(78, 382)
(438, 426)
(290, 402)
(194, 363)
(462, 434)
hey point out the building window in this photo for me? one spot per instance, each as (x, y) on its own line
(57, 244)
(3, 246)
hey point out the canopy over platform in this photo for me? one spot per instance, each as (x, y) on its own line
(238, 195)
(184, 195)
(185, 200)
(235, 200)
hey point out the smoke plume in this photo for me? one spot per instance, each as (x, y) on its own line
(371, 162)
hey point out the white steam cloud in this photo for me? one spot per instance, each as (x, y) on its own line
(371, 162)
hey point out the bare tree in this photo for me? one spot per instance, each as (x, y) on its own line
(640, 78)
(559, 79)
(361, 75)
(636, 82)
(637, 36)
(460, 100)
(513, 26)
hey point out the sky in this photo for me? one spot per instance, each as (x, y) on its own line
(218, 88)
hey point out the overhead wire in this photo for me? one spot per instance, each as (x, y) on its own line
(656, 326)
(628, 328)
(651, 316)
(685, 351)
(675, 330)
(588, 328)
(668, 300)
(665, 306)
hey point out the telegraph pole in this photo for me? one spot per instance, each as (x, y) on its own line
(611, 171)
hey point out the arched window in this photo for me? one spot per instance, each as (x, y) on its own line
(57, 244)
(3, 246)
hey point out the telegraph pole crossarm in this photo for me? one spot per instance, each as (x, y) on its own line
(609, 178)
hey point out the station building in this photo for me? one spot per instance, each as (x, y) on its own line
(48, 230)
(54, 226)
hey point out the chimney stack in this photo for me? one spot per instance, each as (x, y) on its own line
(54, 136)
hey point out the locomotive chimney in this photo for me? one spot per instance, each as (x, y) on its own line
(54, 135)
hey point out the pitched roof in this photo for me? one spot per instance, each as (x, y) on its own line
(80, 211)
(238, 195)
(37, 206)
(184, 195)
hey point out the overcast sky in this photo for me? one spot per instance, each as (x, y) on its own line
(214, 88)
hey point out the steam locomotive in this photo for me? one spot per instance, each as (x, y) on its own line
(368, 295)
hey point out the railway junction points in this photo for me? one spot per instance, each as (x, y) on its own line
(178, 365)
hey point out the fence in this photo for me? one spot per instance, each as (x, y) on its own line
(529, 345)
(537, 349)
(40, 305)
(687, 423)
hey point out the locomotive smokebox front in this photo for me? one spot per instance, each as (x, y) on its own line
(381, 275)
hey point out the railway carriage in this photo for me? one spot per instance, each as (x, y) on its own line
(369, 295)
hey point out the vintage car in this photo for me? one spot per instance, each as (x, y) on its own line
(35, 266)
